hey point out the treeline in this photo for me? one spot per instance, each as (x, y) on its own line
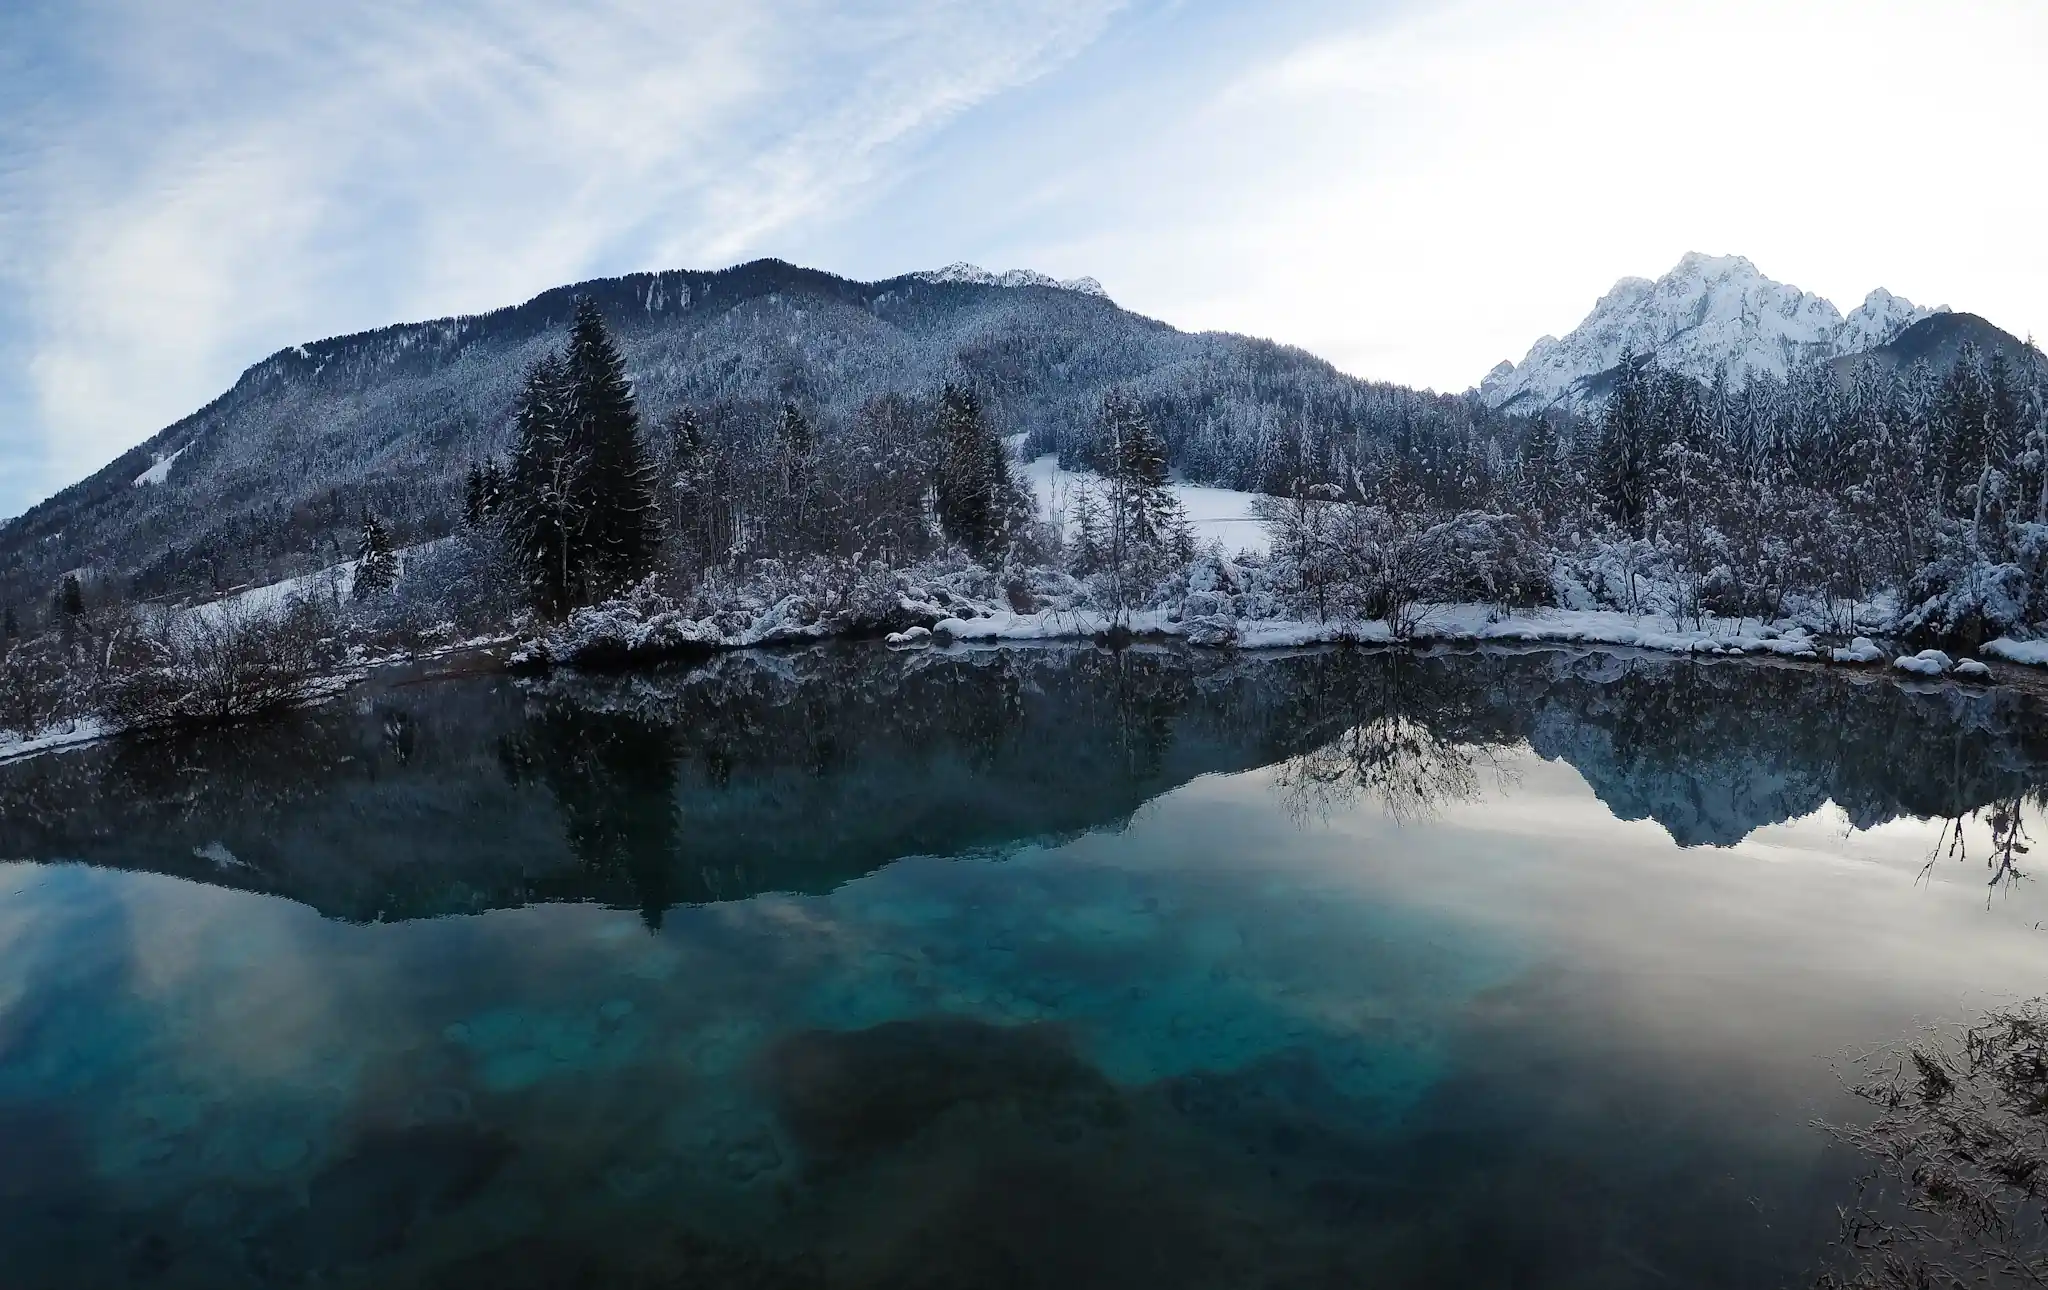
(1922, 487)
(589, 505)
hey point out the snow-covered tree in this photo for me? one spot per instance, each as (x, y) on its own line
(376, 560)
(979, 502)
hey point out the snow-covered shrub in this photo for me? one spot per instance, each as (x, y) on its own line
(772, 602)
(456, 587)
(1963, 601)
(640, 626)
(219, 663)
(35, 689)
(1491, 560)
(1928, 662)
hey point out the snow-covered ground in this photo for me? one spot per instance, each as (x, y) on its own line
(337, 580)
(1220, 515)
(2032, 653)
(1477, 623)
(160, 471)
(65, 734)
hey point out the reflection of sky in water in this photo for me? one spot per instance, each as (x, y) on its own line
(187, 1073)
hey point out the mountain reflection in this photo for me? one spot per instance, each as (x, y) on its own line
(797, 771)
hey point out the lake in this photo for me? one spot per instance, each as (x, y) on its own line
(993, 968)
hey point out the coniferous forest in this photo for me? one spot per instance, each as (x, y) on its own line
(641, 493)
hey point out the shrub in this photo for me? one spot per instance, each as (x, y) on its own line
(218, 663)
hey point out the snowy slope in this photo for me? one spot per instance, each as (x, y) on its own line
(1710, 314)
(159, 472)
(1221, 515)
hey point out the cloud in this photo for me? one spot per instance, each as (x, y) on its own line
(1419, 196)
(1412, 189)
(188, 188)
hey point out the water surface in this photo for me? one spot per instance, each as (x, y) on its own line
(1045, 967)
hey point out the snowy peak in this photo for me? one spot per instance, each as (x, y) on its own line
(975, 275)
(1710, 315)
(1879, 320)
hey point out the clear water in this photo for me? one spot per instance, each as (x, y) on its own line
(1006, 968)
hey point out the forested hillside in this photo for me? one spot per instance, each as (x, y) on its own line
(663, 465)
(270, 478)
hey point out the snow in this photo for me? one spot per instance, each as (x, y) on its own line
(159, 472)
(1860, 650)
(1438, 623)
(975, 275)
(67, 734)
(1928, 662)
(1709, 314)
(336, 579)
(2032, 653)
(1220, 515)
(1971, 669)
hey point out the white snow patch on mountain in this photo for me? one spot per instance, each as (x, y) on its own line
(1711, 315)
(975, 275)
(159, 472)
(1220, 515)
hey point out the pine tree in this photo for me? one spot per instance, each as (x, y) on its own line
(10, 629)
(1144, 529)
(797, 467)
(623, 527)
(376, 561)
(1090, 545)
(979, 502)
(1140, 482)
(1626, 453)
(70, 599)
(546, 514)
(689, 487)
(483, 492)
(579, 504)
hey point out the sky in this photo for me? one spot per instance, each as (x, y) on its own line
(1411, 190)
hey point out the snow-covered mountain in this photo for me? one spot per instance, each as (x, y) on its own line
(1710, 314)
(975, 275)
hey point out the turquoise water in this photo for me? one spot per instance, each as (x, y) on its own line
(1041, 967)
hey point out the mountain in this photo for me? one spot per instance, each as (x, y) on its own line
(268, 479)
(1709, 315)
(1939, 340)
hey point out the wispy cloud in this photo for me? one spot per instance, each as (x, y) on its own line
(186, 187)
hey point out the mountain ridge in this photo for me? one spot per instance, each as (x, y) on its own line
(268, 479)
(1708, 316)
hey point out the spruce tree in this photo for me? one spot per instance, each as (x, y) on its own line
(1625, 456)
(797, 463)
(70, 599)
(376, 561)
(482, 492)
(689, 486)
(546, 516)
(617, 480)
(979, 502)
(1141, 486)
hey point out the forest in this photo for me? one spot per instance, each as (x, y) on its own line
(1843, 500)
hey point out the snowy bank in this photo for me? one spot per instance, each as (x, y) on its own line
(2031, 653)
(68, 734)
(1441, 623)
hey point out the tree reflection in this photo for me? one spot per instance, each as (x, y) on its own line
(614, 779)
(1404, 765)
(2005, 821)
(798, 770)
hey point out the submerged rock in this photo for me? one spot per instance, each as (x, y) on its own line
(851, 1093)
